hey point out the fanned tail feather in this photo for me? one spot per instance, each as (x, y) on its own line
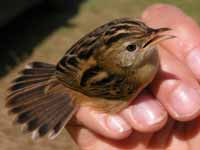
(42, 111)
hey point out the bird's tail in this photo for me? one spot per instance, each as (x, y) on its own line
(39, 101)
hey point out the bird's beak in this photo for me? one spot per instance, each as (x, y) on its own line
(155, 36)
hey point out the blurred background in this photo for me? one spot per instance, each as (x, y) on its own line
(43, 30)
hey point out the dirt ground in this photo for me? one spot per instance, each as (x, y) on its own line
(43, 35)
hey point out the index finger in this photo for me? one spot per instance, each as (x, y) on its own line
(186, 45)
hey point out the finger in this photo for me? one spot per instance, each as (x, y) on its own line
(87, 140)
(191, 133)
(111, 126)
(172, 136)
(146, 114)
(186, 45)
(176, 88)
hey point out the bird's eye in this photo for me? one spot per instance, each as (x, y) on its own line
(131, 47)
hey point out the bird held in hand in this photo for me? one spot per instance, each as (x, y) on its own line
(105, 69)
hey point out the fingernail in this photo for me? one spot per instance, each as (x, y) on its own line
(193, 60)
(117, 124)
(185, 101)
(147, 113)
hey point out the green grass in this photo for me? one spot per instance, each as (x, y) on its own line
(134, 7)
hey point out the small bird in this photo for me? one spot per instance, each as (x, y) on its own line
(105, 70)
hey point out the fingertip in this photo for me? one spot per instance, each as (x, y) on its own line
(111, 126)
(146, 115)
(120, 127)
(180, 99)
(184, 102)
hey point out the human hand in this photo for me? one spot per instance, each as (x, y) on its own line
(175, 93)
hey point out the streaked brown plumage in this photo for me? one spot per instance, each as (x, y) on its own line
(104, 69)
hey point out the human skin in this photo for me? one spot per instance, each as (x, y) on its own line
(165, 116)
